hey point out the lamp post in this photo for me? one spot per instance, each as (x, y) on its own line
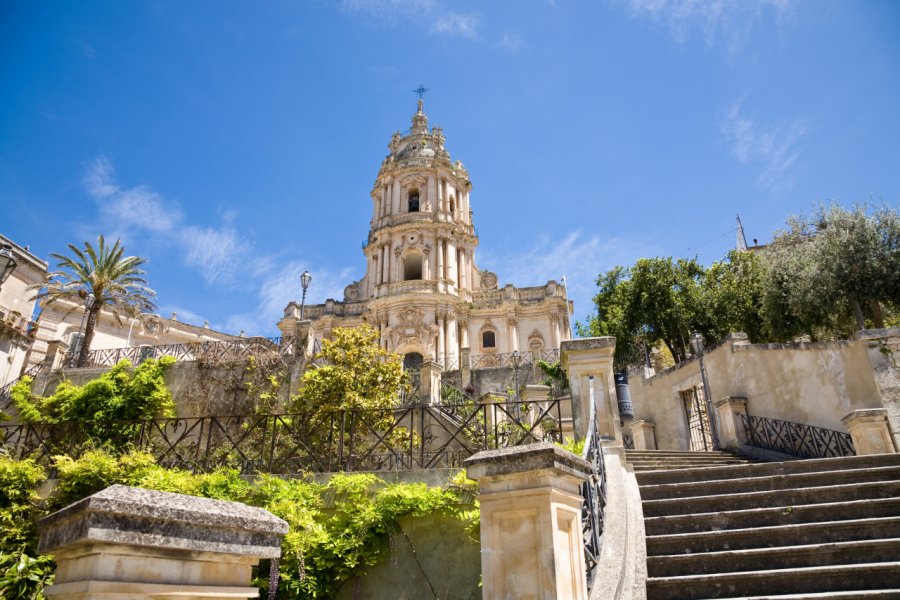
(515, 362)
(698, 346)
(305, 279)
(8, 262)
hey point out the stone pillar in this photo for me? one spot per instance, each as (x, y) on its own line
(56, 354)
(870, 431)
(554, 330)
(642, 433)
(883, 350)
(583, 359)
(463, 270)
(730, 413)
(430, 382)
(138, 544)
(440, 260)
(384, 264)
(464, 370)
(441, 195)
(531, 540)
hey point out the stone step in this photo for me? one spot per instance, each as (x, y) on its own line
(785, 557)
(835, 578)
(713, 487)
(778, 535)
(752, 469)
(664, 465)
(664, 453)
(770, 498)
(854, 595)
(775, 515)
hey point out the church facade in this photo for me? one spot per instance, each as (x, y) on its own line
(423, 290)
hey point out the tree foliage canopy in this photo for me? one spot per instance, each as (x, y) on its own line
(356, 372)
(821, 277)
(115, 281)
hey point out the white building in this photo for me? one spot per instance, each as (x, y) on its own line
(422, 289)
(17, 330)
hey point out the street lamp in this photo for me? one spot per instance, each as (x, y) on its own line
(305, 279)
(698, 345)
(8, 262)
(515, 362)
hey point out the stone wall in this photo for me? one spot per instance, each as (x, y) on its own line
(198, 389)
(431, 557)
(812, 383)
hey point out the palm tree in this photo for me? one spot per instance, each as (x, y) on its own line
(114, 281)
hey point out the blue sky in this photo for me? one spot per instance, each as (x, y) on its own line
(234, 144)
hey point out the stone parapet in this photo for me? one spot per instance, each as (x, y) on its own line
(127, 542)
(870, 431)
(730, 413)
(531, 539)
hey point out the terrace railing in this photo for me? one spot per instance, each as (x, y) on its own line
(215, 352)
(5, 391)
(324, 441)
(796, 439)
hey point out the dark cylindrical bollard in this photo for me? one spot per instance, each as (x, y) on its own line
(623, 395)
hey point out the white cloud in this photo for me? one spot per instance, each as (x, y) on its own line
(580, 258)
(388, 11)
(428, 14)
(463, 25)
(511, 42)
(213, 251)
(282, 286)
(140, 209)
(728, 21)
(774, 146)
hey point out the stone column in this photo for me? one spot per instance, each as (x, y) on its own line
(513, 334)
(426, 263)
(432, 193)
(452, 339)
(395, 200)
(870, 431)
(584, 359)
(441, 275)
(441, 339)
(440, 195)
(554, 330)
(138, 544)
(730, 413)
(452, 272)
(642, 433)
(531, 541)
(463, 270)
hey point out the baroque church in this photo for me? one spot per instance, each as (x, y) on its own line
(422, 289)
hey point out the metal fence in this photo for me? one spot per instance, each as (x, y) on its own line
(413, 437)
(216, 352)
(6, 390)
(796, 439)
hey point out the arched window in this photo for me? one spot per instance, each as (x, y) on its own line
(413, 205)
(412, 266)
(452, 205)
(488, 339)
(412, 361)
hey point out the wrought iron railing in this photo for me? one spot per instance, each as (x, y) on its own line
(413, 437)
(593, 490)
(796, 439)
(216, 352)
(6, 390)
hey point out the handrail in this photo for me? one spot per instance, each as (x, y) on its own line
(209, 350)
(324, 440)
(796, 439)
(593, 490)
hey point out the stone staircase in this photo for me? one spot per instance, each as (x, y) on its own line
(720, 526)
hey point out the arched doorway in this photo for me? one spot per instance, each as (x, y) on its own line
(412, 361)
